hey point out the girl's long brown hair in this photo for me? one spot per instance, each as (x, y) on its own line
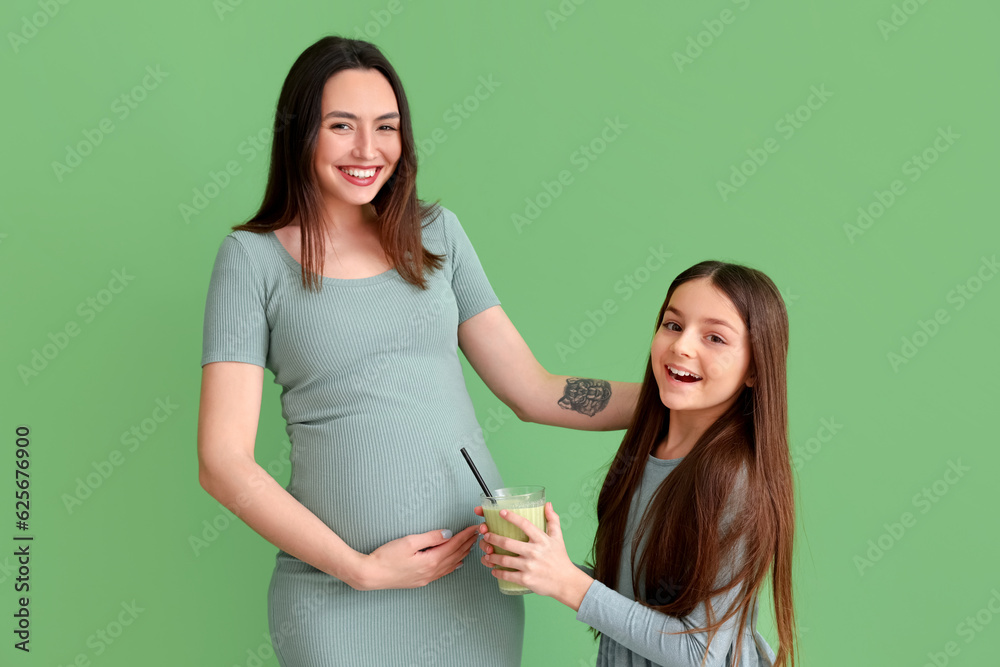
(685, 550)
(292, 190)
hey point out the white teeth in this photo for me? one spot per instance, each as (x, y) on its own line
(359, 173)
(683, 373)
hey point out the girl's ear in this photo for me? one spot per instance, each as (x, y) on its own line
(750, 379)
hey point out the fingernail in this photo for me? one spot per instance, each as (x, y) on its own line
(446, 534)
(460, 565)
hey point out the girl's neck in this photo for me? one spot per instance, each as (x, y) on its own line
(686, 426)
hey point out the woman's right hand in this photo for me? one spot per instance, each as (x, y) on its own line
(415, 560)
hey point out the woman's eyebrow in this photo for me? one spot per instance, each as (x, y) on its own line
(347, 114)
(706, 320)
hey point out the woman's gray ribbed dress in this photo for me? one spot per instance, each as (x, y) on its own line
(376, 410)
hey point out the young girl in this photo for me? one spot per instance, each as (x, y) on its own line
(700, 506)
(356, 295)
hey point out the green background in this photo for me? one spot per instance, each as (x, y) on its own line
(560, 72)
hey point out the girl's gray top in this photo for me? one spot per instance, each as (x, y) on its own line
(633, 635)
(377, 410)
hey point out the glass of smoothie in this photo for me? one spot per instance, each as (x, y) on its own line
(529, 502)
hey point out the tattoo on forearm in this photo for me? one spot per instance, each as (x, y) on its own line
(586, 396)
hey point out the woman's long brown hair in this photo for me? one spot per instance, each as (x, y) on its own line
(685, 550)
(292, 191)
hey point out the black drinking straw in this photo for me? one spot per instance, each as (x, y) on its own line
(479, 478)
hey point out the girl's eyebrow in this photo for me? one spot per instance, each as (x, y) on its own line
(348, 115)
(706, 320)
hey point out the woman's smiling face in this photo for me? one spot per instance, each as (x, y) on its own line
(358, 145)
(701, 351)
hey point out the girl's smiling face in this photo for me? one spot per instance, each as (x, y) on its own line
(701, 351)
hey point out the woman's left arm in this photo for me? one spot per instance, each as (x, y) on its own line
(503, 360)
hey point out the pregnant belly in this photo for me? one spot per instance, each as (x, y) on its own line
(374, 489)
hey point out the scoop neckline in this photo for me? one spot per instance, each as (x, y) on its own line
(297, 267)
(659, 461)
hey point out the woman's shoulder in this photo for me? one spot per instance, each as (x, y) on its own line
(257, 247)
(252, 254)
(438, 228)
(252, 242)
(437, 218)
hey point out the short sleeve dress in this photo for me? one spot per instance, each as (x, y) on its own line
(376, 410)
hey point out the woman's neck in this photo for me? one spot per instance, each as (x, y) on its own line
(348, 219)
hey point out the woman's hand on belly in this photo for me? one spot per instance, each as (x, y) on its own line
(415, 560)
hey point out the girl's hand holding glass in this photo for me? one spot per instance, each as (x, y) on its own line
(541, 563)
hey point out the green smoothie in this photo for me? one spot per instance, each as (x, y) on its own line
(527, 501)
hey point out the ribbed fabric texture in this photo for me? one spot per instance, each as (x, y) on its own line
(633, 634)
(376, 410)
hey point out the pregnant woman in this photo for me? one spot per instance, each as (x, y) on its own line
(356, 295)
(700, 507)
